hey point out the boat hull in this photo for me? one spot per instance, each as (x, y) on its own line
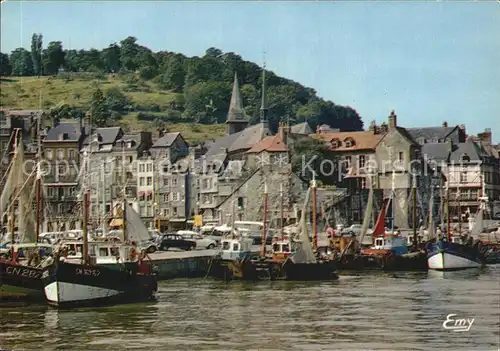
(445, 256)
(321, 270)
(71, 284)
(20, 282)
(384, 262)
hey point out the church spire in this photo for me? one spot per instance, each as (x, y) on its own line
(263, 105)
(236, 119)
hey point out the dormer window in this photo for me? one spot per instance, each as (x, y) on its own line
(421, 141)
(349, 142)
(465, 157)
(335, 143)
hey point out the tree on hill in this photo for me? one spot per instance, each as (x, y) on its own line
(36, 53)
(5, 67)
(111, 58)
(116, 100)
(99, 111)
(53, 58)
(173, 78)
(201, 81)
(22, 64)
(128, 54)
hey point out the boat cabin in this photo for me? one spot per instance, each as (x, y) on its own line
(103, 252)
(233, 249)
(281, 247)
(393, 243)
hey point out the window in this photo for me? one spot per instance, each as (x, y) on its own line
(361, 161)
(348, 161)
(363, 183)
(166, 197)
(149, 197)
(175, 196)
(130, 159)
(463, 177)
(71, 154)
(240, 202)
(49, 154)
(174, 210)
(150, 181)
(401, 156)
(174, 182)
(141, 167)
(348, 143)
(150, 167)
(60, 154)
(141, 181)
(142, 210)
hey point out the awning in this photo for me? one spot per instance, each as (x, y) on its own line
(116, 222)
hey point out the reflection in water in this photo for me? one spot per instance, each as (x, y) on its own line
(360, 311)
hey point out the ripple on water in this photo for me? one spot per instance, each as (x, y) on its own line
(382, 311)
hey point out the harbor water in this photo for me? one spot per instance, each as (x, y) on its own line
(376, 311)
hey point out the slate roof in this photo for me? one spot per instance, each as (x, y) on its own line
(134, 138)
(241, 141)
(469, 148)
(166, 140)
(107, 135)
(436, 151)
(271, 143)
(363, 140)
(72, 131)
(431, 134)
(302, 128)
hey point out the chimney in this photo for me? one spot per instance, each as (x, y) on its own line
(284, 131)
(393, 121)
(485, 137)
(445, 124)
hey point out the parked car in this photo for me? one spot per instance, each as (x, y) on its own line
(168, 241)
(202, 242)
(149, 246)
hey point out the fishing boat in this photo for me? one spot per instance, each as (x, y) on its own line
(23, 260)
(301, 264)
(68, 283)
(235, 246)
(445, 255)
(389, 250)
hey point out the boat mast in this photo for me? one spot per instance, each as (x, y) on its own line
(104, 213)
(233, 217)
(12, 208)
(393, 197)
(281, 211)
(124, 206)
(38, 178)
(414, 214)
(459, 211)
(264, 227)
(448, 219)
(85, 214)
(314, 228)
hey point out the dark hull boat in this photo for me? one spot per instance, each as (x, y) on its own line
(20, 282)
(268, 269)
(447, 256)
(71, 284)
(416, 261)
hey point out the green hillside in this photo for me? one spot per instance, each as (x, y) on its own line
(129, 84)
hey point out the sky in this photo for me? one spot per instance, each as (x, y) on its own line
(429, 61)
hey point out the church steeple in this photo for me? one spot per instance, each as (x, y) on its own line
(236, 119)
(263, 106)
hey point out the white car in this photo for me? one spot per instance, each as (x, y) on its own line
(202, 242)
